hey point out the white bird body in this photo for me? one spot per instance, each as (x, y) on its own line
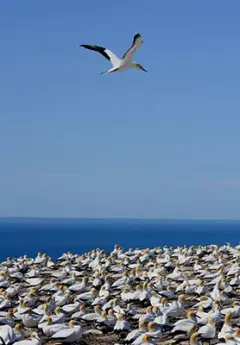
(50, 330)
(33, 341)
(123, 64)
(7, 334)
(69, 335)
(209, 330)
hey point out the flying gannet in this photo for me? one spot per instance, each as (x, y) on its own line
(125, 62)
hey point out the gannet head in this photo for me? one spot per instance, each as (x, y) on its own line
(146, 338)
(97, 308)
(72, 323)
(149, 309)
(49, 320)
(203, 298)
(138, 66)
(18, 327)
(191, 314)
(121, 317)
(85, 279)
(211, 320)
(234, 304)
(143, 325)
(111, 312)
(94, 291)
(104, 315)
(181, 298)
(82, 307)
(152, 326)
(58, 310)
(9, 314)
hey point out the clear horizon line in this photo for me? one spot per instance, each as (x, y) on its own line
(117, 218)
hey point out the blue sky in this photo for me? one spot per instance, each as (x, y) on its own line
(162, 144)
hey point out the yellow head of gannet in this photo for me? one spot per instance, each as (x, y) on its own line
(155, 309)
(235, 303)
(191, 314)
(164, 300)
(33, 292)
(72, 323)
(143, 325)
(203, 298)
(9, 314)
(104, 315)
(49, 320)
(211, 320)
(152, 326)
(97, 308)
(85, 279)
(181, 298)
(121, 317)
(82, 307)
(111, 312)
(18, 327)
(149, 309)
(58, 310)
(146, 338)
(93, 290)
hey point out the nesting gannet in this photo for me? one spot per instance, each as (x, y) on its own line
(93, 316)
(142, 329)
(34, 340)
(49, 329)
(145, 339)
(80, 287)
(78, 314)
(209, 330)
(234, 309)
(7, 319)
(123, 64)
(185, 325)
(30, 319)
(70, 335)
(121, 324)
(7, 334)
(154, 329)
(226, 328)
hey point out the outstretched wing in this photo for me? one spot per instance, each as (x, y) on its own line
(137, 41)
(108, 54)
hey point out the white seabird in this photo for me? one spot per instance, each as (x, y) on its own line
(125, 62)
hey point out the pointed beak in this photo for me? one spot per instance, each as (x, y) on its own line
(143, 69)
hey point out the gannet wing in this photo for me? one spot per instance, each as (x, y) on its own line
(137, 41)
(63, 334)
(108, 54)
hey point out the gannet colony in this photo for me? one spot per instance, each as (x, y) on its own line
(185, 295)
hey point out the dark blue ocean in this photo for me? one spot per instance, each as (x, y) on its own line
(56, 236)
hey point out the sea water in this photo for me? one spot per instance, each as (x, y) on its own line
(56, 236)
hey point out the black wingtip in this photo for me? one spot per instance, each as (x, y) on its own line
(137, 35)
